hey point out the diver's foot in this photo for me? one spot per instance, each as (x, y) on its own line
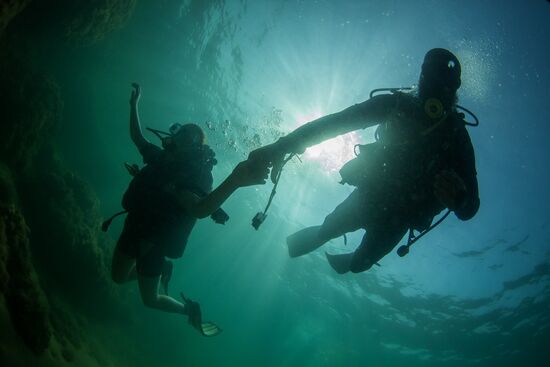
(193, 311)
(341, 262)
(166, 275)
(303, 241)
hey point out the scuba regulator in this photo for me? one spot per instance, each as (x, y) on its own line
(167, 138)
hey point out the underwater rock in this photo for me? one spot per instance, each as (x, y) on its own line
(80, 22)
(93, 20)
(68, 355)
(67, 331)
(9, 9)
(7, 198)
(4, 276)
(63, 212)
(60, 208)
(8, 193)
(25, 299)
(31, 111)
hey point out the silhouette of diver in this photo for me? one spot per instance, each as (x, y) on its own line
(422, 162)
(163, 201)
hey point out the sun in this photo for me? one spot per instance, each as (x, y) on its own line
(331, 154)
(334, 153)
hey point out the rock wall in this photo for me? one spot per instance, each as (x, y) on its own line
(8, 10)
(53, 257)
(31, 112)
(24, 297)
(81, 22)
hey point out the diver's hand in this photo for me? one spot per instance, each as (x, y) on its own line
(449, 189)
(250, 172)
(271, 155)
(136, 93)
(266, 153)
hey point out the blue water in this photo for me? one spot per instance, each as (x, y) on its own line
(473, 293)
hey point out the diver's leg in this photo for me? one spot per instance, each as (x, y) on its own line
(149, 266)
(347, 217)
(379, 240)
(123, 265)
(149, 290)
(123, 268)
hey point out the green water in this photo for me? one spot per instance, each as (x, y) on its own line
(251, 71)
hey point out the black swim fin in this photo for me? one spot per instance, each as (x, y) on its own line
(340, 262)
(303, 241)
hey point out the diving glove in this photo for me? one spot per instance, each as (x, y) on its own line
(219, 216)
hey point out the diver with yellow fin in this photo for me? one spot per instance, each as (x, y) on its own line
(421, 163)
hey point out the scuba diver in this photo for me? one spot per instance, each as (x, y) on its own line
(421, 163)
(163, 202)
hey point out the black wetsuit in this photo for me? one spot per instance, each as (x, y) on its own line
(394, 176)
(156, 226)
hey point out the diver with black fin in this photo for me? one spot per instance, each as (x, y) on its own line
(421, 163)
(163, 201)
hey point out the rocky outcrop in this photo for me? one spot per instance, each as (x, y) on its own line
(80, 22)
(8, 10)
(91, 21)
(61, 209)
(54, 260)
(31, 112)
(63, 212)
(24, 297)
(38, 316)
(66, 258)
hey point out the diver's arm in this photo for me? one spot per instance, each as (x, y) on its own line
(358, 116)
(468, 203)
(246, 173)
(135, 128)
(203, 207)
